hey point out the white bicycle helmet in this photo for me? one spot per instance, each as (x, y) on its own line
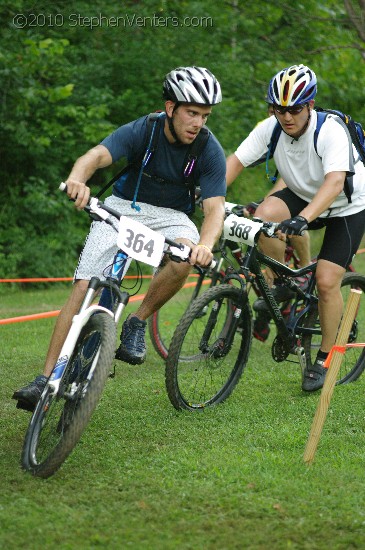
(192, 85)
(292, 86)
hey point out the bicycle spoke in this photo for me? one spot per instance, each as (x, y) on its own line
(59, 420)
(217, 354)
(353, 361)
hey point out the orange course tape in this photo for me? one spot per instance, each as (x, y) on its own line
(340, 349)
(57, 279)
(47, 314)
(29, 317)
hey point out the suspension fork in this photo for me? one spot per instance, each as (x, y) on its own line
(226, 336)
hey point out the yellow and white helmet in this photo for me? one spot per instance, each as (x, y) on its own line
(293, 85)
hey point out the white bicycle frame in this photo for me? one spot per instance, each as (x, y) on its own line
(78, 322)
(87, 308)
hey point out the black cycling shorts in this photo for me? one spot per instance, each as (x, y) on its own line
(342, 236)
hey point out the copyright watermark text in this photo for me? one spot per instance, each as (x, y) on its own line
(21, 21)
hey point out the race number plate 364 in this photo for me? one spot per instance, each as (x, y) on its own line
(140, 242)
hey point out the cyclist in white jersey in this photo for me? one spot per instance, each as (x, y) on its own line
(316, 188)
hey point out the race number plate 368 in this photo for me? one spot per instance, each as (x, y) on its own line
(140, 242)
(241, 230)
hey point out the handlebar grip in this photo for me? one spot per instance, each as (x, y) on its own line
(63, 187)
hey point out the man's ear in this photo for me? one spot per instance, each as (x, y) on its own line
(169, 107)
(311, 104)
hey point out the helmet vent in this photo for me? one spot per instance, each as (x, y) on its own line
(309, 92)
(298, 90)
(286, 90)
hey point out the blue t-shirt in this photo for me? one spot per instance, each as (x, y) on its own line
(162, 182)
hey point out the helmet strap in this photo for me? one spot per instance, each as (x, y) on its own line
(170, 122)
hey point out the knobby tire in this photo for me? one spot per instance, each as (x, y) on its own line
(59, 421)
(163, 322)
(216, 362)
(353, 362)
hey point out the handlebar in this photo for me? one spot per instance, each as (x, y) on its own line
(100, 211)
(230, 207)
(96, 208)
(241, 210)
(247, 231)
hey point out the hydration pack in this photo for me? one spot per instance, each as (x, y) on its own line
(154, 120)
(355, 130)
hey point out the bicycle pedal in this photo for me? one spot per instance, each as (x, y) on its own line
(302, 358)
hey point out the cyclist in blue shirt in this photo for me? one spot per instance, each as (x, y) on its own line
(160, 199)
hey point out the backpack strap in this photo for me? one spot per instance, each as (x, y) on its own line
(358, 137)
(152, 136)
(149, 148)
(152, 141)
(321, 117)
(271, 150)
(191, 158)
(112, 181)
(345, 121)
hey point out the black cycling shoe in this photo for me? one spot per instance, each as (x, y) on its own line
(313, 377)
(29, 395)
(132, 349)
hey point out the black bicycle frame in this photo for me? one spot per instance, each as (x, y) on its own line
(251, 268)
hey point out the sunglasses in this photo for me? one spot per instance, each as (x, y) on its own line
(291, 110)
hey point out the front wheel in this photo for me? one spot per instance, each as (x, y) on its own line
(60, 419)
(218, 345)
(353, 362)
(163, 322)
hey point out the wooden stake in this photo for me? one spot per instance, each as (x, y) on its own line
(331, 376)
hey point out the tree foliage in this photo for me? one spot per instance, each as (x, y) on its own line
(71, 72)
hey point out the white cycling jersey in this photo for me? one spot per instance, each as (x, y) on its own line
(302, 169)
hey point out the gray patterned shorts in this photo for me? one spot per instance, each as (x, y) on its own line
(101, 242)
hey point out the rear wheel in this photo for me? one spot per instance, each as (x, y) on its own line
(353, 362)
(59, 420)
(218, 345)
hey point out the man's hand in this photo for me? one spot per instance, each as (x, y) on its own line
(79, 192)
(201, 255)
(293, 226)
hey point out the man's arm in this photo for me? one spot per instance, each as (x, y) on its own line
(214, 212)
(332, 186)
(234, 168)
(83, 169)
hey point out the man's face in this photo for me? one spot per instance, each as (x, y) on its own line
(293, 122)
(188, 120)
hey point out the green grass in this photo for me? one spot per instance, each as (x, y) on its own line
(145, 476)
